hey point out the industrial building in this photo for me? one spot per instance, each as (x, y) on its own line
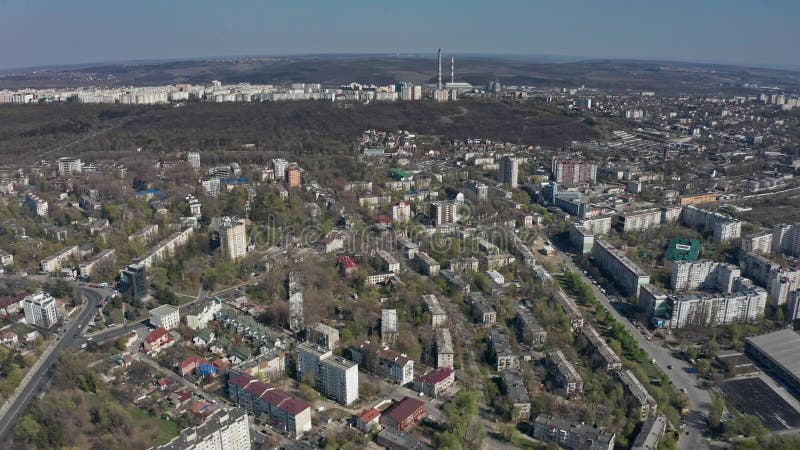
(777, 353)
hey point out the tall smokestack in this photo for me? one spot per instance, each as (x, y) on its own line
(452, 69)
(439, 84)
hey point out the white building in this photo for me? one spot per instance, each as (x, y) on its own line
(69, 166)
(200, 320)
(165, 316)
(334, 376)
(745, 304)
(625, 273)
(279, 166)
(194, 159)
(703, 274)
(36, 204)
(40, 310)
(401, 212)
(640, 220)
(222, 430)
(232, 238)
(724, 227)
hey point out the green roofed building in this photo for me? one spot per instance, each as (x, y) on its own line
(398, 174)
(681, 249)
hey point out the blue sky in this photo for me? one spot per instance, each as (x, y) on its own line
(38, 32)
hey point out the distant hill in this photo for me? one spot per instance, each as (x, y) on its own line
(615, 75)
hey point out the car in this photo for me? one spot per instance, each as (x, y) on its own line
(653, 361)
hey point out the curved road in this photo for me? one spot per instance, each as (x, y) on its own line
(69, 337)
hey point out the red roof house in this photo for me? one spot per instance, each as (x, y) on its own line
(403, 414)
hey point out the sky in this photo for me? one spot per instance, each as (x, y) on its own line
(58, 32)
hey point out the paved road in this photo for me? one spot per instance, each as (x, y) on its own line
(67, 339)
(699, 400)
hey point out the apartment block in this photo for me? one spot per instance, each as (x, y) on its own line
(703, 274)
(745, 304)
(401, 212)
(509, 171)
(224, 429)
(517, 394)
(571, 436)
(323, 336)
(383, 361)
(646, 403)
(640, 220)
(55, 262)
(444, 348)
(386, 261)
(724, 227)
(627, 275)
(40, 310)
(442, 213)
(652, 431)
(568, 381)
(283, 411)
(608, 358)
(581, 238)
(566, 170)
(786, 239)
(165, 316)
(500, 351)
(165, 248)
(427, 265)
(36, 204)
(760, 242)
(530, 331)
(481, 310)
(334, 376)
(88, 268)
(232, 238)
(438, 315)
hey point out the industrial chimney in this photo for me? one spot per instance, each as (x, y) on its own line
(452, 70)
(439, 84)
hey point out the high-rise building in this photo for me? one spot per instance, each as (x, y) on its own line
(36, 204)
(442, 212)
(625, 273)
(222, 430)
(293, 176)
(279, 166)
(724, 227)
(509, 171)
(135, 278)
(703, 274)
(194, 159)
(40, 310)
(334, 376)
(401, 212)
(786, 239)
(573, 171)
(68, 166)
(232, 238)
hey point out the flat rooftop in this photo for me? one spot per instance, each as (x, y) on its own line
(781, 346)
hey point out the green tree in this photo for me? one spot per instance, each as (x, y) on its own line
(28, 429)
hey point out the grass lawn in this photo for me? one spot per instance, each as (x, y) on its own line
(160, 430)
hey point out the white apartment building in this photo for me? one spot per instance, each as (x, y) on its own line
(279, 166)
(199, 320)
(194, 159)
(55, 262)
(786, 239)
(640, 220)
(36, 204)
(40, 310)
(165, 316)
(760, 242)
(703, 274)
(442, 212)
(724, 227)
(222, 430)
(444, 348)
(401, 212)
(745, 304)
(232, 238)
(69, 166)
(334, 376)
(165, 247)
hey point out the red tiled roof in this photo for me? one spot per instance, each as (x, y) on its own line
(9, 300)
(256, 388)
(163, 382)
(436, 376)
(368, 415)
(242, 380)
(347, 262)
(293, 406)
(273, 396)
(156, 335)
(192, 360)
(404, 409)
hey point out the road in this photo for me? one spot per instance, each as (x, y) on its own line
(699, 400)
(66, 340)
